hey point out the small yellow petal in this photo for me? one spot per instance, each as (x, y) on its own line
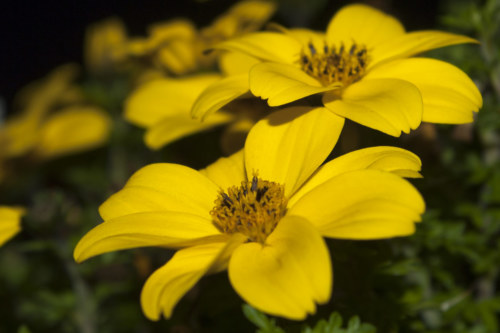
(270, 46)
(391, 159)
(157, 99)
(253, 12)
(174, 128)
(73, 129)
(19, 135)
(178, 57)
(287, 275)
(10, 222)
(282, 83)
(178, 29)
(389, 105)
(226, 171)
(362, 204)
(167, 285)
(288, 145)
(164, 228)
(448, 94)
(163, 186)
(413, 43)
(39, 96)
(219, 94)
(364, 25)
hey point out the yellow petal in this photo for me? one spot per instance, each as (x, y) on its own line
(167, 285)
(362, 204)
(137, 47)
(388, 105)
(448, 94)
(226, 171)
(10, 222)
(164, 228)
(73, 129)
(282, 83)
(363, 25)
(177, 57)
(19, 135)
(290, 144)
(233, 63)
(287, 275)
(39, 96)
(155, 100)
(174, 128)
(178, 29)
(219, 94)
(391, 159)
(270, 46)
(413, 43)
(163, 186)
(252, 12)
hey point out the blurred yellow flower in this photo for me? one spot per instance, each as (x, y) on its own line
(261, 214)
(179, 48)
(362, 68)
(105, 46)
(10, 222)
(53, 119)
(163, 106)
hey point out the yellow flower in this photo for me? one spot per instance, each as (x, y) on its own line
(163, 106)
(261, 214)
(10, 219)
(179, 48)
(105, 46)
(53, 119)
(363, 68)
(170, 45)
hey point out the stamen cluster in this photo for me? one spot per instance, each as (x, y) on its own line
(253, 209)
(330, 65)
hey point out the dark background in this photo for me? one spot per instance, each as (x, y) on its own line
(37, 36)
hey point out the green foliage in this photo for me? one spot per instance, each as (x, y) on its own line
(332, 325)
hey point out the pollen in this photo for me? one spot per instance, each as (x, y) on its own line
(253, 209)
(331, 65)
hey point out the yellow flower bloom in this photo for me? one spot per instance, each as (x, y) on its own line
(261, 214)
(170, 45)
(53, 119)
(163, 106)
(105, 46)
(362, 68)
(179, 48)
(10, 219)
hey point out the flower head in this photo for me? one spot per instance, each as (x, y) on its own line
(105, 46)
(261, 214)
(178, 47)
(364, 69)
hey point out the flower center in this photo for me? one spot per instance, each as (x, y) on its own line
(330, 65)
(253, 209)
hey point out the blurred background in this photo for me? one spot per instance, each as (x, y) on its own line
(38, 36)
(445, 278)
